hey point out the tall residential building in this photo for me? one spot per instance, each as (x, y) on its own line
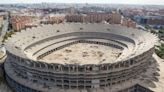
(19, 22)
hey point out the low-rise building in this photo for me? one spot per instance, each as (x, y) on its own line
(51, 19)
(128, 23)
(150, 20)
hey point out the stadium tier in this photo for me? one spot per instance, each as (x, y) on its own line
(76, 57)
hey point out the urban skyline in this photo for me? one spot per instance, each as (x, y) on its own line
(142, 2)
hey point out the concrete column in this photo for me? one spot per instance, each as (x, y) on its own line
(46, 66)
(69, 74)
(85, 77)
(77, 75)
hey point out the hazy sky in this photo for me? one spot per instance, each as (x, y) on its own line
(156, 2)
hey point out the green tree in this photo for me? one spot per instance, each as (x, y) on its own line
(8, 34)
(147, 27)
(160, 51)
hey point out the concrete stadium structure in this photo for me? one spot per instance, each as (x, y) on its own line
(74, 57)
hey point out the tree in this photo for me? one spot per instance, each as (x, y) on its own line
(160, 51)
(8, 34)
(147, 27)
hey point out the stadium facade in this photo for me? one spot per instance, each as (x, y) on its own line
(75, 57)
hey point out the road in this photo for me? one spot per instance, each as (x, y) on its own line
(4, 29)
(3, 86)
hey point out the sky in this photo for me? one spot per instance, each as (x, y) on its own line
(149, 2)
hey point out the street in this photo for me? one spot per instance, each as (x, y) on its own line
(4, 29)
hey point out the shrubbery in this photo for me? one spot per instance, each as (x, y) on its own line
(8, 34)
(160, 51)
